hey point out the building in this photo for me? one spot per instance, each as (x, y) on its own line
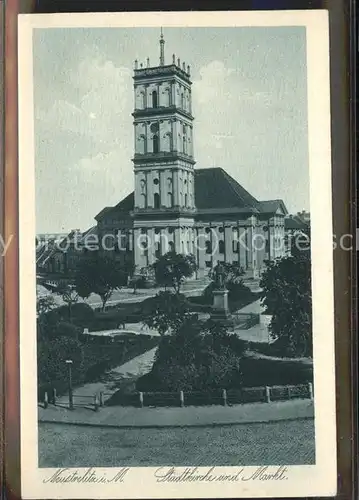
(176, 206)
(63, 255)
(304, 216)
(296, 226)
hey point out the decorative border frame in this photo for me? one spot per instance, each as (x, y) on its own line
(344, 219)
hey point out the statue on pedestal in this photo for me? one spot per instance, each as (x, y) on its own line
(219, 276)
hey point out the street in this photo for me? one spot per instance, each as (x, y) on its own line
(126, 295)
(277, 443)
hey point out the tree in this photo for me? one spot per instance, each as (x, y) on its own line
(45, 304)
(99, 275)
(134, 280)
(286, 295)
(69, 295)
(198, 356)
(167, 311)
(172, 268)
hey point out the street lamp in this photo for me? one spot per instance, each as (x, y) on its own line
(71, 398)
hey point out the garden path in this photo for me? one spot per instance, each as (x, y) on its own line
(131, 370)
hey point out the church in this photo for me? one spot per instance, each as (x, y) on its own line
(176, 206)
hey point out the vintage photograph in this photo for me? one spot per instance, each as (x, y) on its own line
(172, 252)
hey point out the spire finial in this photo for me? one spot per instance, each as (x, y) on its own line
(162, 49)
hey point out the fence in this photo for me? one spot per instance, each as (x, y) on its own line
(245, 320)
(92, 402)
(194, 398)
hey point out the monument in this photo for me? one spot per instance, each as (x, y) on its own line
(220, 295)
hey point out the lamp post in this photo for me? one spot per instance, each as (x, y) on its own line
(71, 398)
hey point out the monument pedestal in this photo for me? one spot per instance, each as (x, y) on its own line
(220, 306)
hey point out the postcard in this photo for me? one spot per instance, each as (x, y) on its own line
(176, 247)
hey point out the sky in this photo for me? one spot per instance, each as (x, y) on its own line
(249, 100)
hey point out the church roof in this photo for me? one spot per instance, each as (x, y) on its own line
(214, 189)
(294, 222)
(125, 206)
(272, 206)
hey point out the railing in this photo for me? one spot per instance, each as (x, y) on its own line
(92, 402)
(245, 320)
(192, 398)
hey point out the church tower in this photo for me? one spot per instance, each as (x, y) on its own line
(164, 202)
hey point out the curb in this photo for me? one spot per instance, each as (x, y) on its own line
(173, 426)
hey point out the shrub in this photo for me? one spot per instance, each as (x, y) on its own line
(65, 329)
(196, 357)
(81, 315)
(52, 368)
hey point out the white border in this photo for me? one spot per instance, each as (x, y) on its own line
(316, 480)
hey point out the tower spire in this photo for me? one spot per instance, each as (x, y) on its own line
(162, 50)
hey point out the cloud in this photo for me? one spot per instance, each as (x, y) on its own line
(213, 81)
(92, 103)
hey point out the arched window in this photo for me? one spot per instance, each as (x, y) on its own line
(185, 199)
(167, 97)
(143, 200)
(182, 101)
(155, 143)
(221, 246)
(184, 144)
(171, 246)
(208, 247)
(143, 100)
(170, 199)
(154, 99)
(156, 200)
(167, 142)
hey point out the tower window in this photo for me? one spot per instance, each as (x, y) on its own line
(182, 101)
(267, 246)
(154, 99)
(185, 199)
(208, 247)
(155, 181)
(155, 144)
(170, 199)
(221, 246)
(156, 200)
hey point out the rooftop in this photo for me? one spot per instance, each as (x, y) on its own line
(214, 190)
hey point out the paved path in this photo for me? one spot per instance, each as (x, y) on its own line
(275, 443)
(254, 308)
(134, 368)
(126, 295)
(116, 416)
(258, 333)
